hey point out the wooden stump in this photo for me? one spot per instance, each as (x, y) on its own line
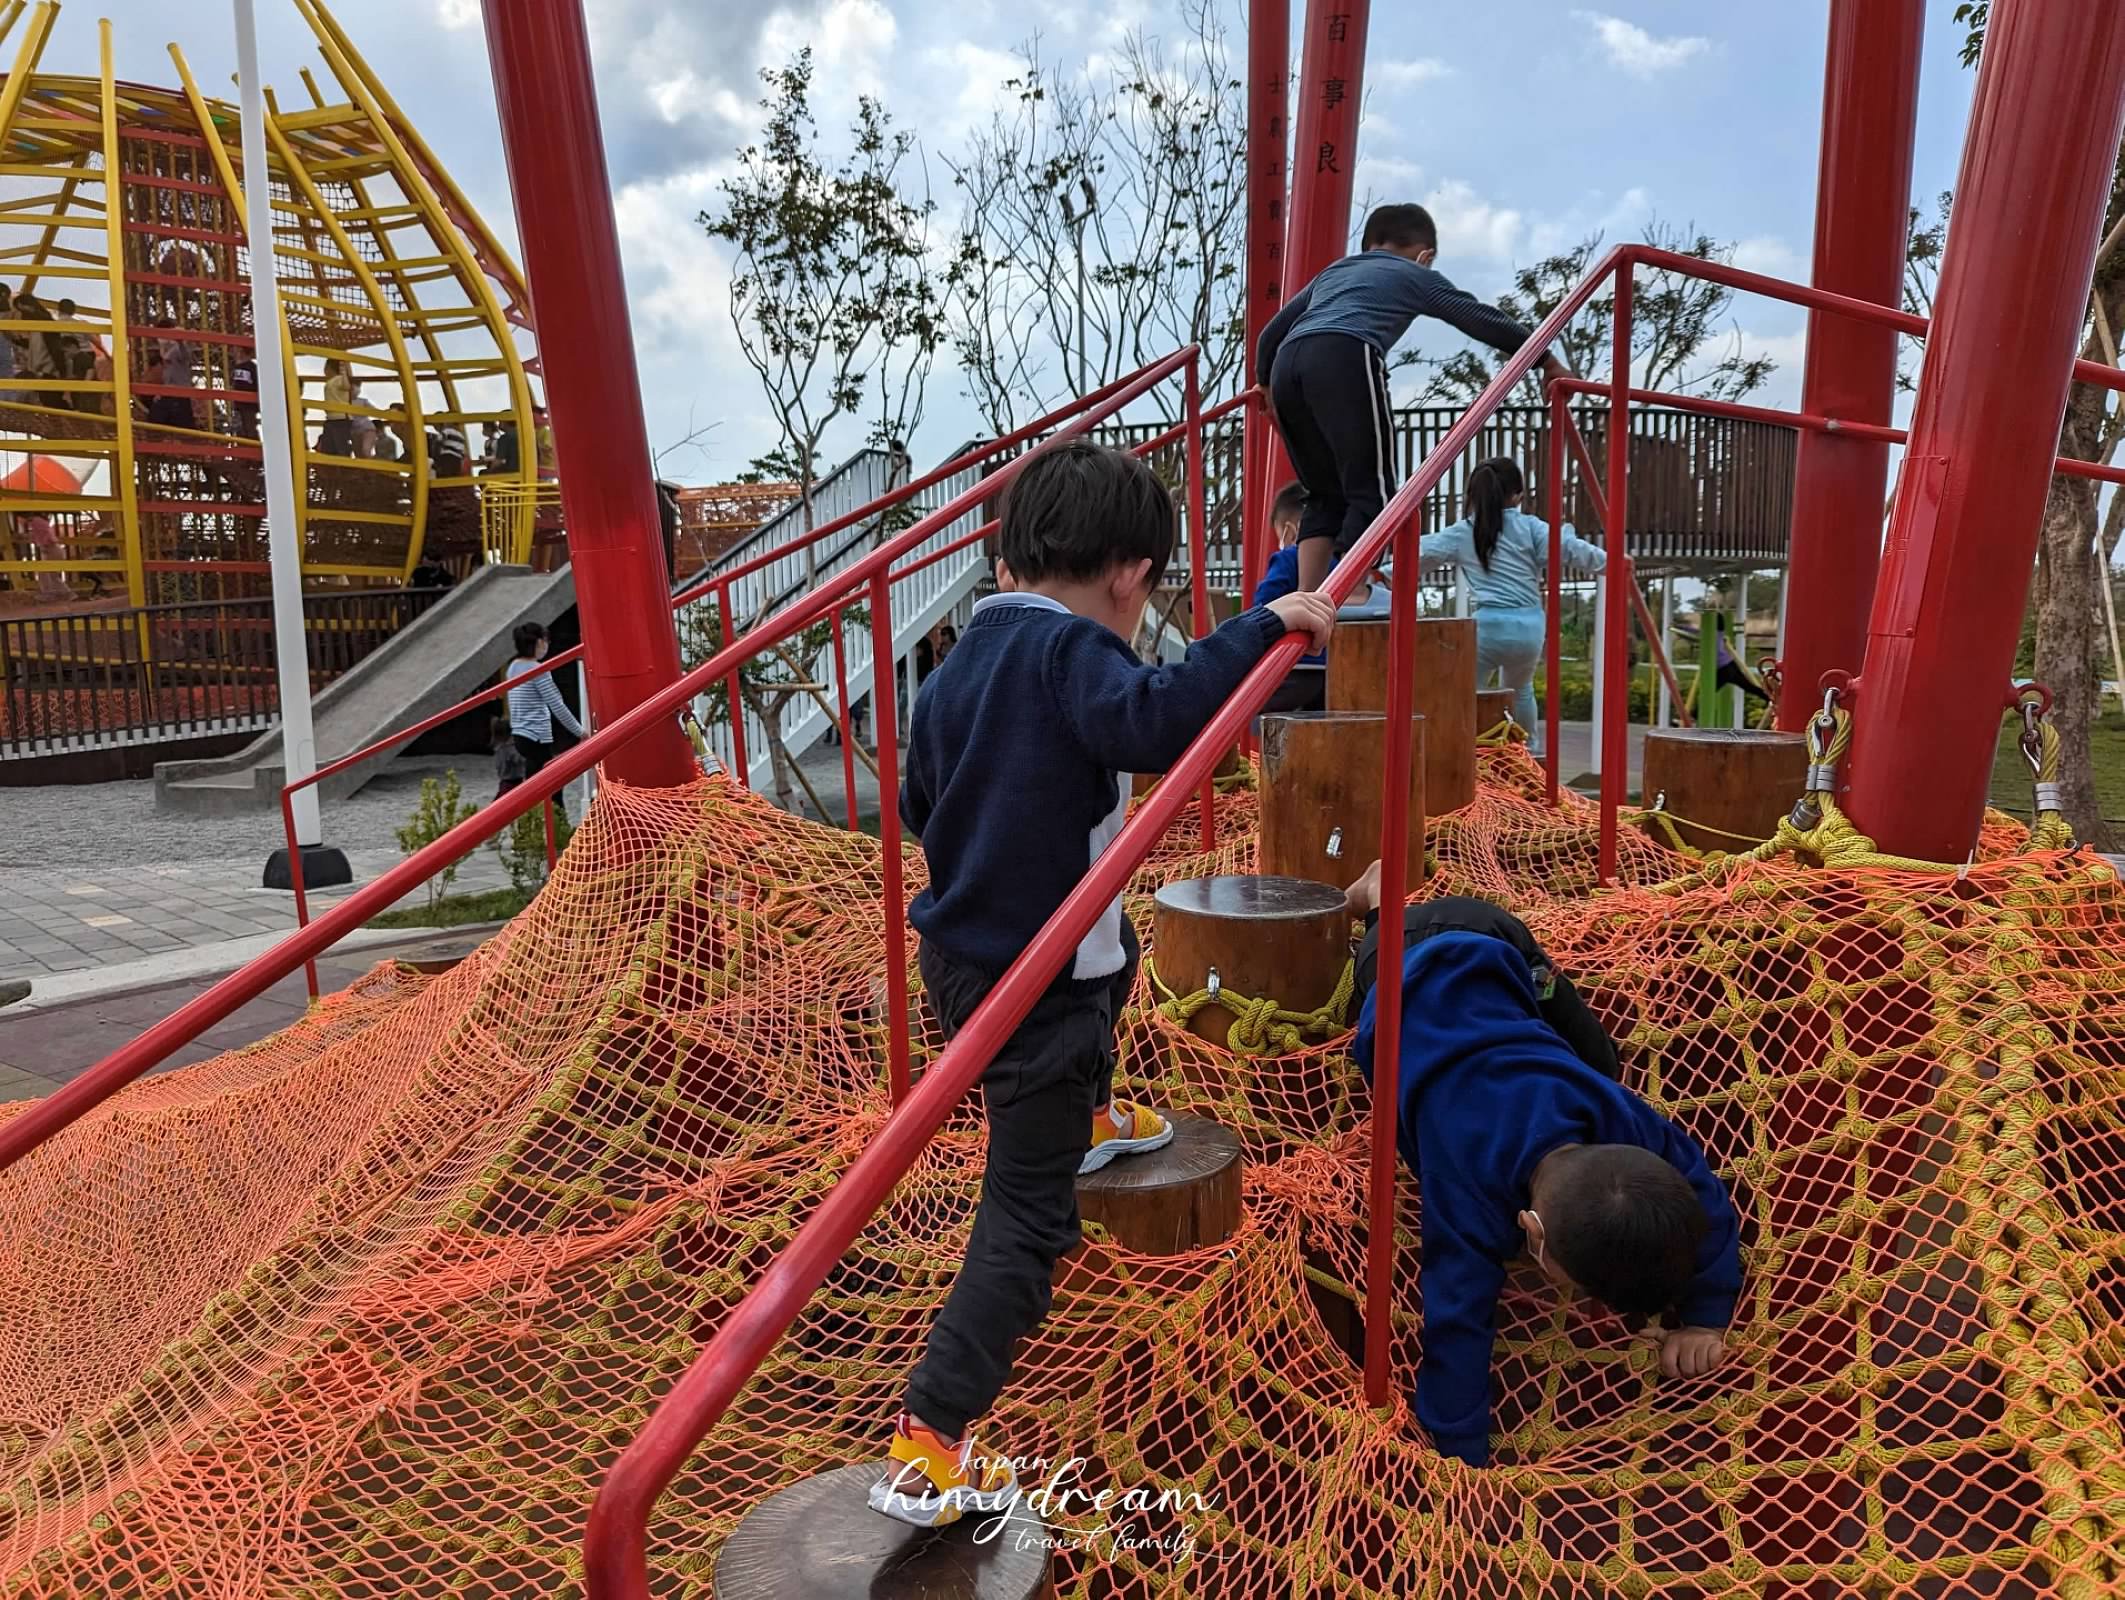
(1166, 1202)
(820, 1540)
(1445, 689)
(1731, 781)
(1493, 706)
(1267, 938)
(1142, 783)
(1321, 786)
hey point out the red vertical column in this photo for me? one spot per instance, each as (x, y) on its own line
(549, 112)
(2037, 170)
(1324, 159)
(1862, 202)
(1268, 134)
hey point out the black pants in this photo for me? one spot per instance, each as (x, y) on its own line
(1039, 1095)
(1561, 1005)
(1333, 409)
(536, 754)
(1731, 676)
(1306, 689)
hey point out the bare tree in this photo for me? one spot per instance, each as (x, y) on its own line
(1674, 319)
(836, 311)
(1102, 224)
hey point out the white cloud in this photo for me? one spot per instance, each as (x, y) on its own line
(1772, 256)
(1406, 74)
(1471, 228)
(457, 13)
(981, 74)
(850, 41)
(1638, 52)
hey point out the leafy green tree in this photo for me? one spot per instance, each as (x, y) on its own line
(831, 291)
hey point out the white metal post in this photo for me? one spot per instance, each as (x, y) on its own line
(1667, 649)
(1741, 647)
(298, 733)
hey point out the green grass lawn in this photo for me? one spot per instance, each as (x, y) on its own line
(456, 911)
(2010, 773)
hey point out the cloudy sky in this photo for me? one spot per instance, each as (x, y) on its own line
(1522, 123)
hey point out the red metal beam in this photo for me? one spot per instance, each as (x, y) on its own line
(2037, 170)
(1325, 156)
(1869, 128)
(549, 111)
(1268, 174)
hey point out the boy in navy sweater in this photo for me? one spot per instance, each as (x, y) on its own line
(1015, 784)
(1324, 361)
(1521, 1137)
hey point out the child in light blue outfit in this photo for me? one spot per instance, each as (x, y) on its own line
(1504, 554)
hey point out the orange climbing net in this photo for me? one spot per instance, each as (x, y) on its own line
(367, 1310)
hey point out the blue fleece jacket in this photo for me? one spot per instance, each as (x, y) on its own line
(1486, 1090)
(1014, 779)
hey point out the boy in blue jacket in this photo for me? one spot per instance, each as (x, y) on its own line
(1523, 1140)
(1015, 784)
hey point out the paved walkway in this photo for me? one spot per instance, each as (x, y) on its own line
(99, 891)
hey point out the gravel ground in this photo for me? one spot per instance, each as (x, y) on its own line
(88, 825)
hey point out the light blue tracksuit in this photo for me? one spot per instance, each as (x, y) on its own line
(1508, 595)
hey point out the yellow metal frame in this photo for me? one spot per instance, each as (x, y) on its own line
(357, 286)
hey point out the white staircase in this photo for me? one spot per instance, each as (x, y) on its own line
(921, 599)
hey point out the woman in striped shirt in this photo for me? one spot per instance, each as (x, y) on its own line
(535, 705)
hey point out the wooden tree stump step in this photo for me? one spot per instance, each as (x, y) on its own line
(820, 1540)
(1168, 1202)
(1492, 708)
(1269, 938)
(1726, 788)
(1445, 696)
(1322, 776)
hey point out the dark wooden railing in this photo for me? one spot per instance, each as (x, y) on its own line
(87, 679)
(1704, 490)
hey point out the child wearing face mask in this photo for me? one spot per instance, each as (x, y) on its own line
(1523, 1140)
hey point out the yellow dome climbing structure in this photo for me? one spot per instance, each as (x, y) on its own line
(385, 272)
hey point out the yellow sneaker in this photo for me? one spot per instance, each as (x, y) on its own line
(930, 1482)
(1124, 1129)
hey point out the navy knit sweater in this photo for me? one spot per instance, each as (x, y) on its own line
(1015, 768)
(1487, 1089)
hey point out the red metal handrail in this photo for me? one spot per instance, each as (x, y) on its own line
(615, 1561)
(24, 1133)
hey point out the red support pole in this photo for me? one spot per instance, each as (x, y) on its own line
(1199, 558)
(1869, 127)
(1560, 419)
(295, 880)
(1394, 894)
(1325, 156)
(1616, 616)
(549, 112)
(2038, 165)
(1268, 135)
(885, 715)
(848, 729)
(741, 769)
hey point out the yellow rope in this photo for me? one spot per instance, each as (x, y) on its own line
(1818, 826)
(1507, 732)
(1260, 1027)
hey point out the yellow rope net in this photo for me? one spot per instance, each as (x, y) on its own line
(368, 1309)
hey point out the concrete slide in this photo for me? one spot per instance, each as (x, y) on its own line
(450, 651)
